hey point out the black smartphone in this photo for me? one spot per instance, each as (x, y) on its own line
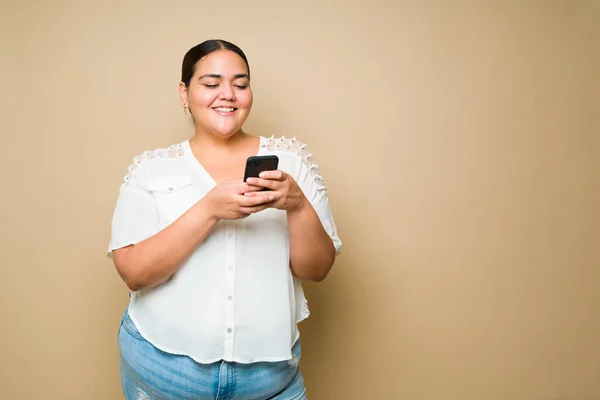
(257, 164)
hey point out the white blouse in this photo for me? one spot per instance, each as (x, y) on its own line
(235, 298)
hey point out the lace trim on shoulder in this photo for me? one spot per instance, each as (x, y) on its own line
(294, 146)
(173, 151)
(305, 310)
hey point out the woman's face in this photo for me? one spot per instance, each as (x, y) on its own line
(219, 95)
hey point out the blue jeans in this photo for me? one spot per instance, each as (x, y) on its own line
(148, 373)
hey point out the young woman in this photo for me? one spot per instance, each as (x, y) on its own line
(214, 264)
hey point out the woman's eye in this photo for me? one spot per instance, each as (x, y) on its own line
(241, 86)
(210, 86)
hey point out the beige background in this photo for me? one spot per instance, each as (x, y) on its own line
(460, 144)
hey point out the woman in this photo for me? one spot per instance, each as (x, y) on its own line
(214, 264)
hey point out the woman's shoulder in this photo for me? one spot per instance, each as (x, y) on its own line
(173, 151)
(296, 150)
(150, 159)
(292, 146)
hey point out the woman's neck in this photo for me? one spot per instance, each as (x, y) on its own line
(206, 140)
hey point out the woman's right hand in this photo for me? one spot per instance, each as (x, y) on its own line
(227, 200)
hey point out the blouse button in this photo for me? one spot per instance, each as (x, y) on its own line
(229, 298)
(229, 330)
(170, 189)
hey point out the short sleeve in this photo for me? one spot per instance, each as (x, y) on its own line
(135, 217)
(312, 185)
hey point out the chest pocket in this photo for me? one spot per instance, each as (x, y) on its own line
(174, 195)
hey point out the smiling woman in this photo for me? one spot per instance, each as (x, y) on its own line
(215, 264)
(217, 90)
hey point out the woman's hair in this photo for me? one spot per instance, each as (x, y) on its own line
(196, 53)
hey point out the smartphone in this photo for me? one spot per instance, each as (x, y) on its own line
(257, 164)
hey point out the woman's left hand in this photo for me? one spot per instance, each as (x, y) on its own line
(285, 190)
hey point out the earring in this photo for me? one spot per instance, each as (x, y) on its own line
(185, 110)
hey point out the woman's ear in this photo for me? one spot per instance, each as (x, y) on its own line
(183, 95)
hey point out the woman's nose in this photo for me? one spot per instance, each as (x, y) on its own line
(227, 93)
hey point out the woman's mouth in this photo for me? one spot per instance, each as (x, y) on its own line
(225, 110)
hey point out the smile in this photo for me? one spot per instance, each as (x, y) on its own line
(224, 110)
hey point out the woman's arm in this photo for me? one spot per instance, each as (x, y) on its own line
(312, 252)
(153, 260)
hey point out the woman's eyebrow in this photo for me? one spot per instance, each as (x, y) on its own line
(217, 76)
(210, 76)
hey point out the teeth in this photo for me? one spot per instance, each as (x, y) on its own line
(224, 109)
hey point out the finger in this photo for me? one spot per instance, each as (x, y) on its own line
(255, 209)
(252, 188)
(259, 198)
(238, 214)
(263, 193)
(263, 183)
(246, 188)
(276, 175)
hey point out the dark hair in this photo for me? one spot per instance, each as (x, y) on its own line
(195, 54)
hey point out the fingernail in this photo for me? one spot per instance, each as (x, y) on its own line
(262, 174)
